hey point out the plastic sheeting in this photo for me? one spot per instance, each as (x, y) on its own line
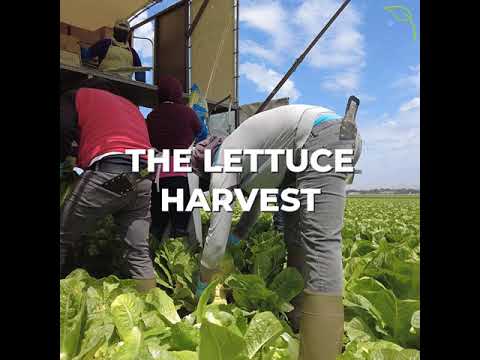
(94, 14)
(213, 43)
(248, 110)
(221, 124)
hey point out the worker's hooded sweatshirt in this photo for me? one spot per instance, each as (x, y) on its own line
(172, 124)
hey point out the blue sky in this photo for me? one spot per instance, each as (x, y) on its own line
(366, 53)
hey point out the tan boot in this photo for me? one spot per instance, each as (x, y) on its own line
(321, 326)
(143, 285)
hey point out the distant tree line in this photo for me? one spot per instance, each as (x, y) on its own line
(385, 191)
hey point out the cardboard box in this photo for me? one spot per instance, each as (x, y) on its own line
(70, 44)
(69, 58)
(85, 37)
(64, 28)
(105, 32)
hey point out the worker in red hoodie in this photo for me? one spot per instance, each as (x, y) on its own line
(105, 125)
(171, 125)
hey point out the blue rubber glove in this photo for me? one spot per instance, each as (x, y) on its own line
(201, 286)
(233, 240)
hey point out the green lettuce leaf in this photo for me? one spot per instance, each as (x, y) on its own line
(262, 330)
(72, 314)
(204, 298)
(287, 284)
(251, 293)
(216, 316)
(415, 320)
(99, 326)
(185, 355)
(363, 349)
(157, 352)
(293, 346)
(390, 354)
(392, 314)
(184, 337)
(95, 336)
(80, 275)
(163, 304)
(268, 254)
(152, 320)
(403, 277)
(357, 329)
(126, 310)
(219, 343)
(130, 349)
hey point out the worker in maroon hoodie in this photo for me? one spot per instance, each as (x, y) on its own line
(105, 125)
(171, 125)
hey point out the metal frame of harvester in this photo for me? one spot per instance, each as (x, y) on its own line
(187, 44)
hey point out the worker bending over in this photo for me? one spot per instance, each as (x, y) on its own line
(104, 125)
(313, 238)
(116, 53)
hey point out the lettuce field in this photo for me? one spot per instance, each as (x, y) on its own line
(102, 316)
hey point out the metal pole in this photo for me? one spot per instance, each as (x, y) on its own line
(189, 48)
(161, 12)
(193, 25)
(144, 38)
(236, 5)
(133, 17)
(301, 58)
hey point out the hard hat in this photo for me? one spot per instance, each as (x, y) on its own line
(122, 24)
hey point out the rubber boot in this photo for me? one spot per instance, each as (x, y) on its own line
(321, 326)
(295, 259)
(143, 285)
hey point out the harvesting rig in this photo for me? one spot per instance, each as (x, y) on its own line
(196, 41)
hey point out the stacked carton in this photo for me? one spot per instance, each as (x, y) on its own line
(69, 50)
(72, 38)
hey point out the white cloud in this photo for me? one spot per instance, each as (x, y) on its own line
(289, 29)
(346, 82)
(410, 105)
(366, 98)
(342, 48)
(343, 44)
(410, 82)
(144, 47)
(250, 47)
(269, 17)
(265, 79)
(391, 151)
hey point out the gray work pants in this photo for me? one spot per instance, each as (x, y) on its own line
(90, 202)
(317, 241)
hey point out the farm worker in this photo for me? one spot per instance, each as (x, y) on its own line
(171, 125)
(105, 125)
(313, 238)
(116, 52)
